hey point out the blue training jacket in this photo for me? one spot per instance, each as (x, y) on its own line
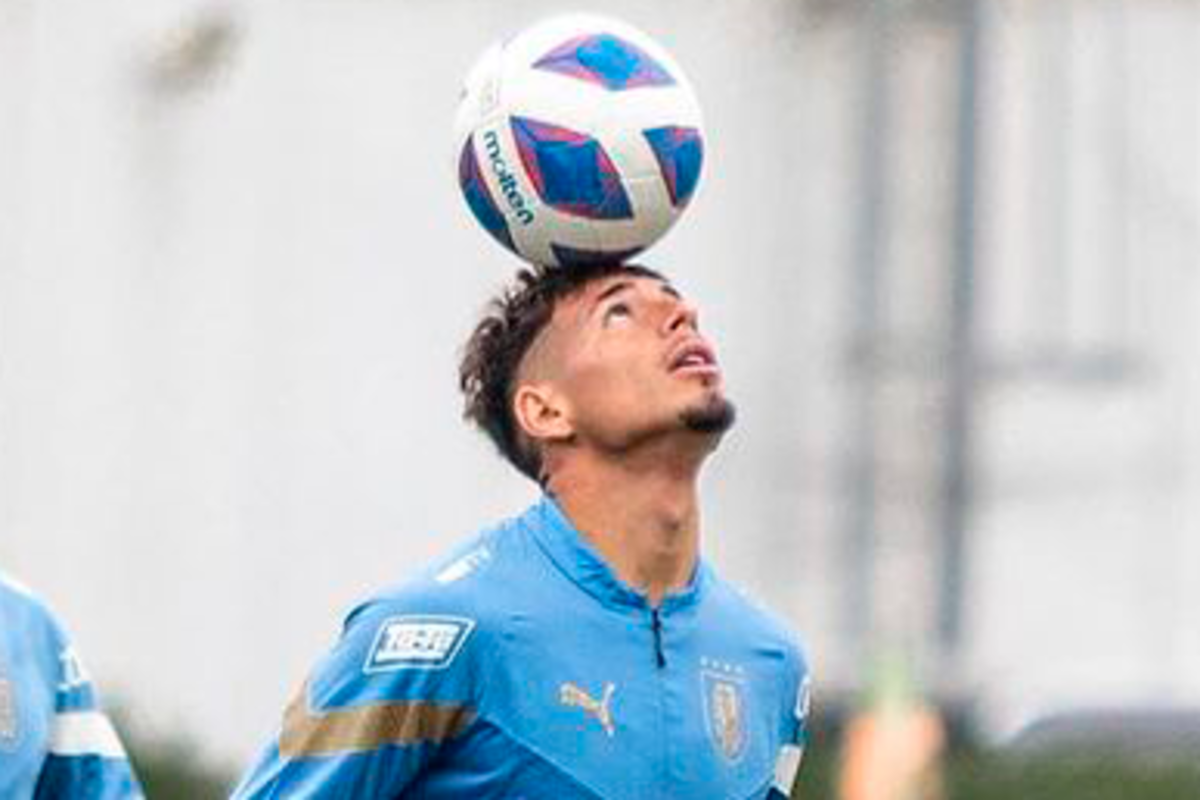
(55, 742)
(521, 667)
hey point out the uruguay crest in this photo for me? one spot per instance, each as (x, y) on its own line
(725, 709)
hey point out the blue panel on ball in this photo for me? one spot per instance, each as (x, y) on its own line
(572, 257)
(475, 190)
(607, 60)
(680, 153)
(570, 171)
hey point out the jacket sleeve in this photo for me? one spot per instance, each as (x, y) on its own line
(84, 759)
(397, 686)
(794, 736)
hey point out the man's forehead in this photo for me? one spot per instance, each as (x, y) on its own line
(611, 285)
(572, 312)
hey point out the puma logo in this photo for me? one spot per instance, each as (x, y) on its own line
(571, 695)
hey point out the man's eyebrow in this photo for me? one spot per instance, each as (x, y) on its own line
(615, 288)
(624, 285)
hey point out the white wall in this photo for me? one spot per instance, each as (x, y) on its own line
(232, 319)
(229, 322)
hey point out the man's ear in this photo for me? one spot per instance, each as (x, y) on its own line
(542, 413)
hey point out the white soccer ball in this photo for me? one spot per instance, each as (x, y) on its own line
(579, 141)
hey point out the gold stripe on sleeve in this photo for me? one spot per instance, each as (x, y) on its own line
(367, 727)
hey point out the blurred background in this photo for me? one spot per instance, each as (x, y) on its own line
(949, 251)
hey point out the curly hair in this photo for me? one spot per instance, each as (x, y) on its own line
(498, 345)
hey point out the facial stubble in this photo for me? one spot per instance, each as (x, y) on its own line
(715, 416)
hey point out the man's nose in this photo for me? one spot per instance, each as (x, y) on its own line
(681, 314)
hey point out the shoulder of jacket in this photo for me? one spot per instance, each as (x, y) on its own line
(462, 583)
(754, 617)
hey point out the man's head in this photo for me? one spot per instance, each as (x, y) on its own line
(606, 358)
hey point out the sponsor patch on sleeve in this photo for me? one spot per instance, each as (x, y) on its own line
(417, 642)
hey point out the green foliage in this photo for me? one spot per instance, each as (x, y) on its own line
(172, 769)
(170, 766)
(818, 771)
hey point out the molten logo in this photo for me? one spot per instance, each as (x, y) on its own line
(504, 176)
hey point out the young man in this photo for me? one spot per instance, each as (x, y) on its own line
(55, 742)
(582, 649)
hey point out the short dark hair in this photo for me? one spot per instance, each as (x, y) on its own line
(498, 345)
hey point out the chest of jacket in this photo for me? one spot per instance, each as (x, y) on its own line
(634, 704)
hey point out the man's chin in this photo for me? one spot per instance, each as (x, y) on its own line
(715, 416)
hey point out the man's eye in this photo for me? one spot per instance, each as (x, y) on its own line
(618, 310)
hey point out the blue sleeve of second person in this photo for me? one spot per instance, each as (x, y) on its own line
(84, 759)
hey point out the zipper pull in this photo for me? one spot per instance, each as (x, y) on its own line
(656, 626)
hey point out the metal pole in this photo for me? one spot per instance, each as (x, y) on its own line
(870, 234)
(961, 377)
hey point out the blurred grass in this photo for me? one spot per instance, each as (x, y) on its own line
(173, 767)
(975, 773)
(1080, 776)
(172, 770)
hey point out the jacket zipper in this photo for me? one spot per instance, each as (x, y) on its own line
(660, 661)
(660, 658)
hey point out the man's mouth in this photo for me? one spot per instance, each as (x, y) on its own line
(693, 356)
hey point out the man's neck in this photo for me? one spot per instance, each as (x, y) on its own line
(643, 518)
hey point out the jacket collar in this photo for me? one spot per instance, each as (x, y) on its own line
(575, 556)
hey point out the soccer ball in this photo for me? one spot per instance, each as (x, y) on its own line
(578, 141)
